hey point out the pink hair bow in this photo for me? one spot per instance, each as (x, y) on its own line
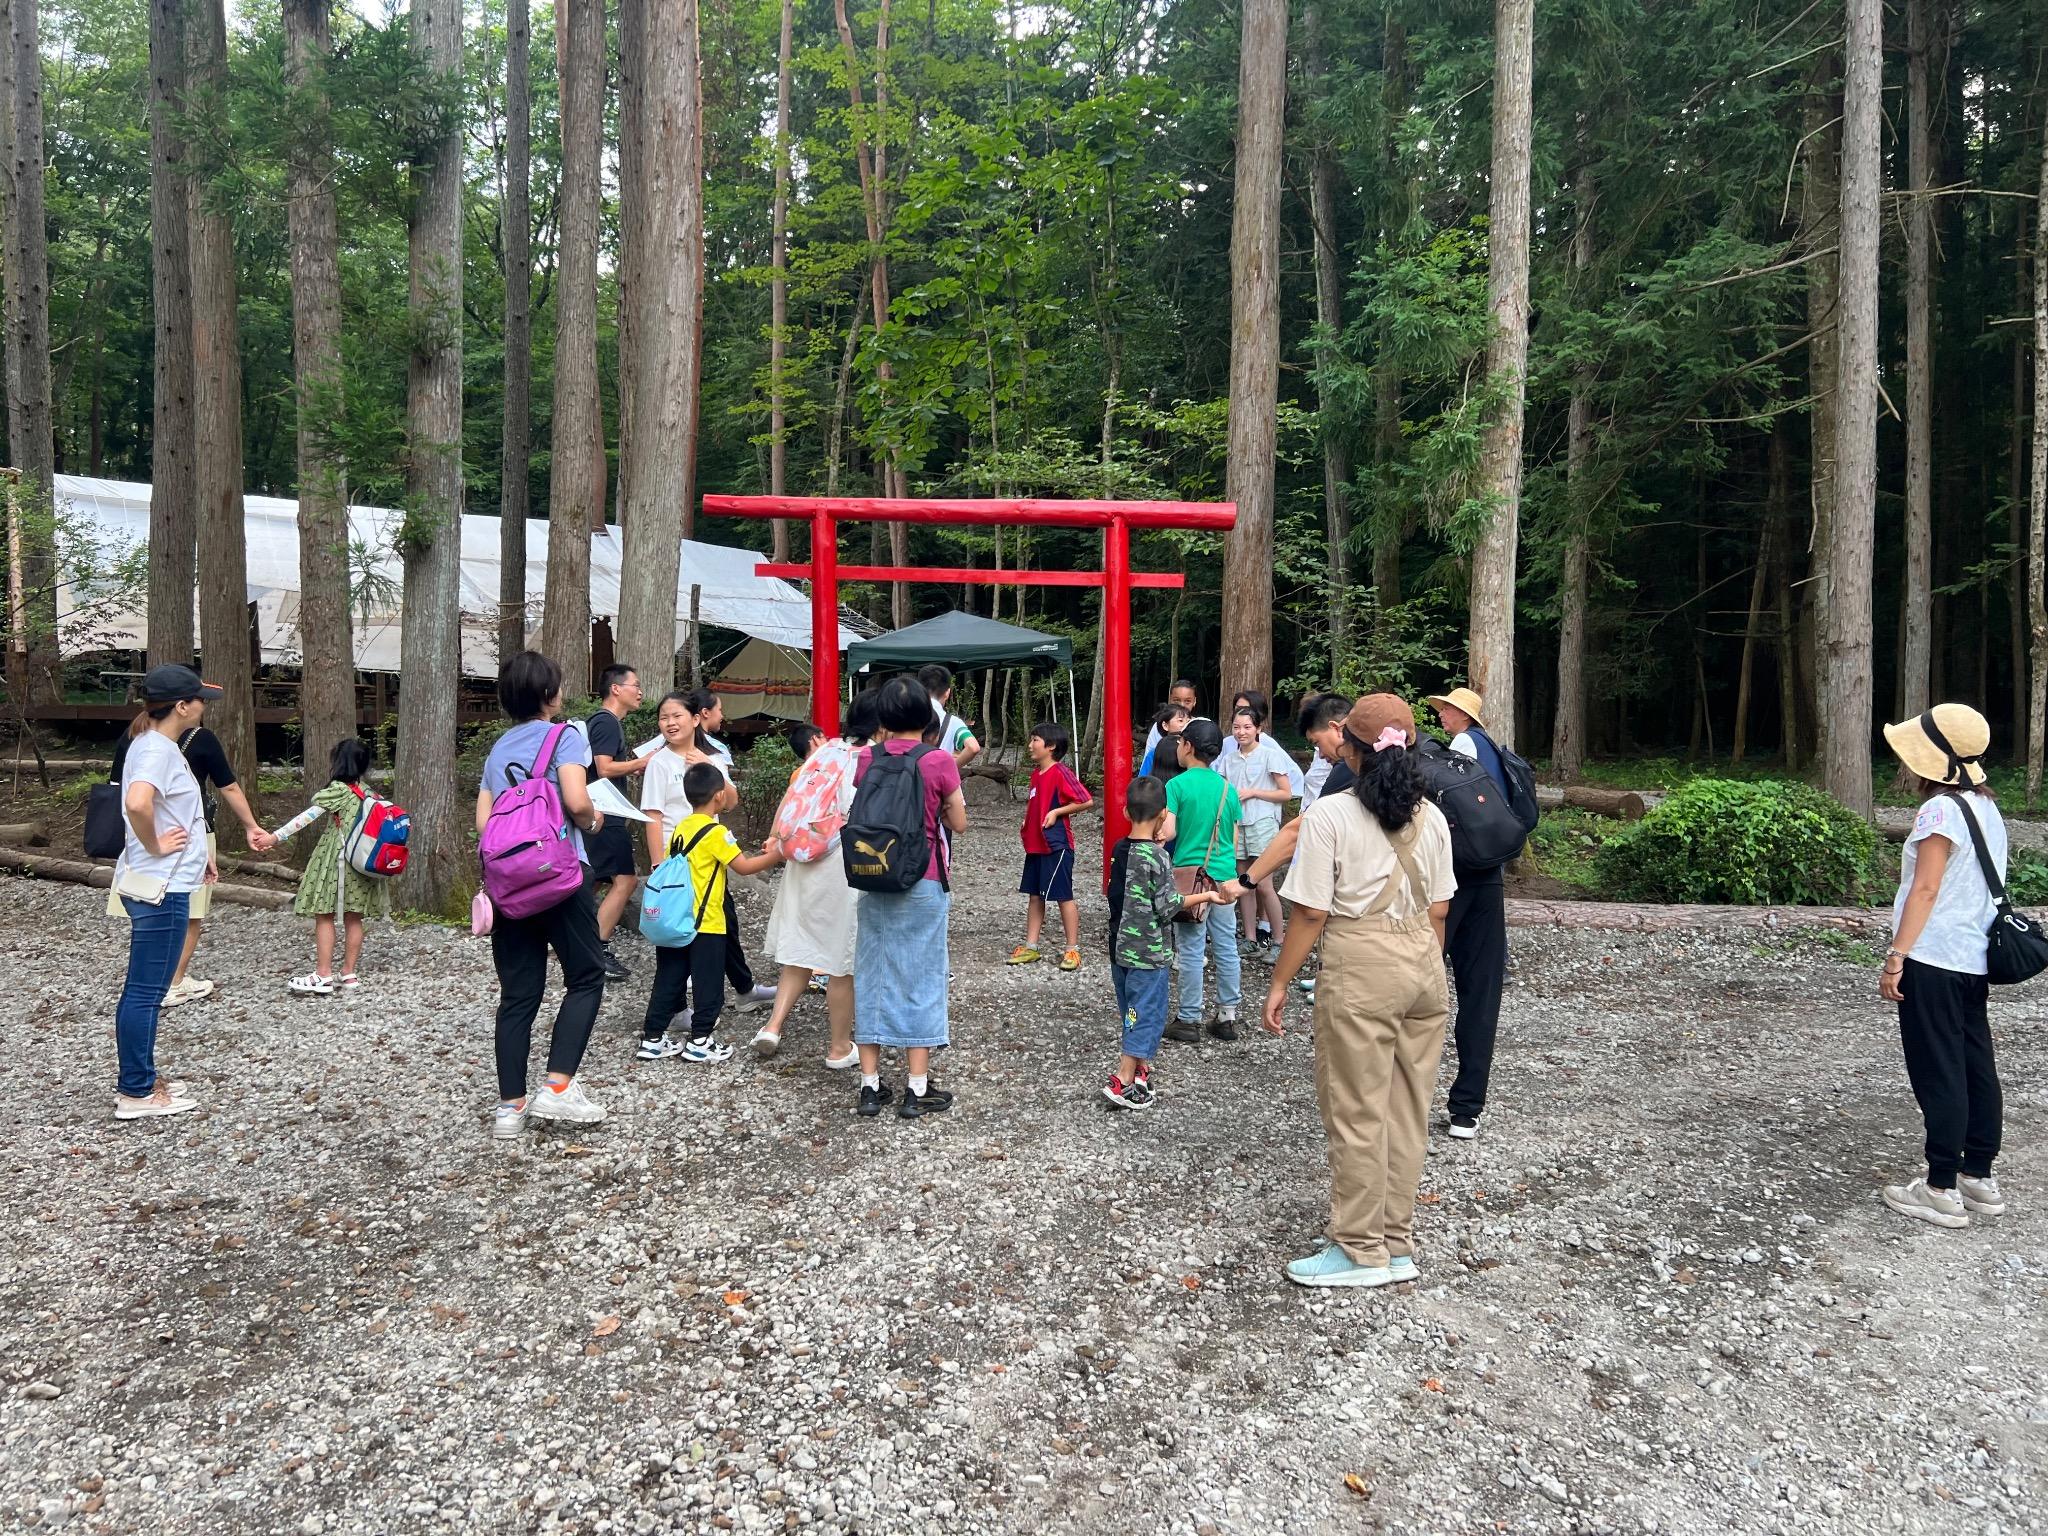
(1391, 736)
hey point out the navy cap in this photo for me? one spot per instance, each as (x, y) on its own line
(173, 684)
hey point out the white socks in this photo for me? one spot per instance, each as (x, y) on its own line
(919, 1083)
(871, 1080)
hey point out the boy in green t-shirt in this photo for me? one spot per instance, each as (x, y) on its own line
(1205, 815)
(699, 966)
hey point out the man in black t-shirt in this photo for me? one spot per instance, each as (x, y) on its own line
(610, 848)
(209, 763)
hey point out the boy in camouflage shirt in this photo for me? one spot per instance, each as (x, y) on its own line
(1144, 901)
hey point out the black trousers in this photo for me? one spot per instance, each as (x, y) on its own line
(1476, 941)
(519, 950)
(737, 971)
(699, 966)
(1947, 1039)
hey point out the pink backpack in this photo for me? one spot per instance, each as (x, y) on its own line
(807, 822)
(528, 857)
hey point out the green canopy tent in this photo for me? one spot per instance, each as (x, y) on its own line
(964, 641)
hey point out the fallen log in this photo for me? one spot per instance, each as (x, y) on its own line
(1635, 917)
(1621, 804)
(233, 865)
(100, 876)
(23, 834)
(1895, 823)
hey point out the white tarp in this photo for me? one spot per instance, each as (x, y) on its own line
(731, 596)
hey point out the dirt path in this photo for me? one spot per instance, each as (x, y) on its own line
(1659, 1293)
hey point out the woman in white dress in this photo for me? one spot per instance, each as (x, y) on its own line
(812, 927)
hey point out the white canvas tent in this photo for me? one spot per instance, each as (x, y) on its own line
(730, 595)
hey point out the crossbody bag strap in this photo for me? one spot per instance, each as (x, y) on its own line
(1404, 859)
(1984, 863)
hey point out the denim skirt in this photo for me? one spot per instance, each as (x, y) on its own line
(899, 967)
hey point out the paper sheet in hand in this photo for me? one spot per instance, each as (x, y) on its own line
(607, 799)
(653, 745)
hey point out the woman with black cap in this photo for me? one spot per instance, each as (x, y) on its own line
(164, 859)
(1935, 967)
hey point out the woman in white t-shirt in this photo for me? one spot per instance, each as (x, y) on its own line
(661, 786)
(1934, 969)
(1261, 776)
(164, 859)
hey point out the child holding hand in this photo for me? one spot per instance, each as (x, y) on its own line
(1142, 907)
(331, 887)
(1056, 794)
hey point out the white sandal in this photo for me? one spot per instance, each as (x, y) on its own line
(766, 1044)
(347, 981)
(313, 984)
(845, 1063)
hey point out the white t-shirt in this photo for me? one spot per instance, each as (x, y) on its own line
(954, 733)
(661, 787)
(1257, 769)
(154, 758)
(1955, 936)
(1465, 746)
(1312, 782)
(1294, 775)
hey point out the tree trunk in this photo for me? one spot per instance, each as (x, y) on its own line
(1782, 567)
(173, 576)
(1568, 729)
(1917, 601)
(634, 235)
(1820, 230)
(778, 287)
(667, 366)
(1386, 377)
(1254, 347)
(217, 416)
(1752, 625)
(517, 243)
(576, 478)
(33, 670)
(430, 641)
(1329, 268)
(1492, 645)
(1846, 629)
(835, 427)
(2037, 505)
(327, 691)
(2016, 588)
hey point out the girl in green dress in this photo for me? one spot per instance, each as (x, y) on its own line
(330, 887)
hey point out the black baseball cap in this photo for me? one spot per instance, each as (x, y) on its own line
(173, 684)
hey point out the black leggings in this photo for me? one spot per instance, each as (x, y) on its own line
(519, 950)
(1476, 942)
(1949, 1061)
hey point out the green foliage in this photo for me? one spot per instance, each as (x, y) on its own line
(1566, 846)
(1763, 843)
(761, 774)
(2026, 879)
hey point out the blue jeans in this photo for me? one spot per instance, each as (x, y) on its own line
(1141, 999)
(1191, 941)
(156, 939)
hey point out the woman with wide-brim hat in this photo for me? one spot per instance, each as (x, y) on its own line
(1934, 969)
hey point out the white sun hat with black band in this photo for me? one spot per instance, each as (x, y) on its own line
(1943, 744)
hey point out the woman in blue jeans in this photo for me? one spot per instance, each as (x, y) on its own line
(163, 860)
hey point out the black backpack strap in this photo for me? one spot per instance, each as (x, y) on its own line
(1991, 880)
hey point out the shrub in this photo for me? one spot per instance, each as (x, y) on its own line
(2026, 879)
(1765, 842)
(761, 775)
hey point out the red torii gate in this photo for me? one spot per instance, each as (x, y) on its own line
(1116, 580)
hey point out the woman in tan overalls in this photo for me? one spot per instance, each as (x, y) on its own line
(1372, 882)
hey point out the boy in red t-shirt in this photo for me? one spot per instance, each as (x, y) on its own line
(1056, 794)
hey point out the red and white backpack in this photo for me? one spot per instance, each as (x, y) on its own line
(376, 844)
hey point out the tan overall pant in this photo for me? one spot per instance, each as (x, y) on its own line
(1380, 1011)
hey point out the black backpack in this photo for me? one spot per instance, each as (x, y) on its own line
(1485, 831)
(883, 843)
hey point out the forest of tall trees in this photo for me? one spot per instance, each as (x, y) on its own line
(1667, 370)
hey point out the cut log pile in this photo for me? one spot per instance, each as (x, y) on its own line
(1630, 917)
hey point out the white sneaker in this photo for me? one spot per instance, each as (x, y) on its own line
(186, 991)
(707, 1051)
(159, 1101)
(1464, 1128)
(312, 984)
(508, 1121)
(1980, 1195)
(765, 1045)
(570, 1103)
(760, 997)
(1939, 1207)
(660, 1048)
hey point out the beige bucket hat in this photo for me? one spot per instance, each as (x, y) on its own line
(1943, 744)
(1462, 699)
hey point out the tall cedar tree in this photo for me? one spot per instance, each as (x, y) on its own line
(1254, 348)
(430, 638)
(327, 690)
(172, 573)
(516, 219)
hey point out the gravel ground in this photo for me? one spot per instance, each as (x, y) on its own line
(1659, 1294)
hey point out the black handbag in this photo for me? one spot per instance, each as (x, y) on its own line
(105, 832)
(2017, 950)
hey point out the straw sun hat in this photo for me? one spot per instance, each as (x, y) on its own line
(1463, 699)
(1943, 744)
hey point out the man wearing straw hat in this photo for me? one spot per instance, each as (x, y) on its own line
(1476, 931)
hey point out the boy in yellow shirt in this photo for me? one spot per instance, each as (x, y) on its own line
(699, 966)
